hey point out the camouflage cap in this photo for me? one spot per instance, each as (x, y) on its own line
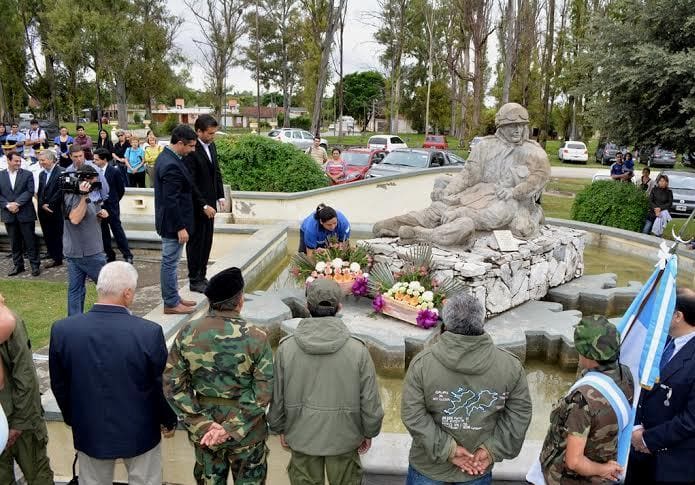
(324, 292)
(597, 339)
(511, 113)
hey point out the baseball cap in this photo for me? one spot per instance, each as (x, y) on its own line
(324, 292)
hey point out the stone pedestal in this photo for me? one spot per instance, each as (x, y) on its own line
(501, 280)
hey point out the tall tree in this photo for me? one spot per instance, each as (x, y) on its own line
(362, 90)
(13, 64)
(478, 15)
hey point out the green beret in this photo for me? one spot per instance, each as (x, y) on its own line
(224, 285)
(597, 339)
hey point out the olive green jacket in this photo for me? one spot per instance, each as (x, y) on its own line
(325, 395)
(20, 397)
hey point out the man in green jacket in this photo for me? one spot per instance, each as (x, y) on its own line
(21, 401)
(326, 405)
(465, 402)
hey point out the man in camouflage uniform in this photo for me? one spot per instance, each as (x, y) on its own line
(21, 401)
(218, 379)
(582, 441)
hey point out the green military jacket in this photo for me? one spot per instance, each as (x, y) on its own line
(585, 413)
(20, 396)
(220, 369)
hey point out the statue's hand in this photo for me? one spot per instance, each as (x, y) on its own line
(504, 193)
(436, 195)
(450, 216)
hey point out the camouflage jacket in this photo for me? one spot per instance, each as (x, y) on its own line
(221, 369)
(586, 413)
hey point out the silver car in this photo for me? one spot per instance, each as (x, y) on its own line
(302, 139)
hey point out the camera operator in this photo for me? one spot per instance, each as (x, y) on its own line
(77, 155)
(82, 241)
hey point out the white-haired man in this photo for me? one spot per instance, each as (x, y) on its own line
(106, 374)
(465, 402)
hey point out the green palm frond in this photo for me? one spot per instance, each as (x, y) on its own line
(380, 278)
(419, 256)
(450, 286)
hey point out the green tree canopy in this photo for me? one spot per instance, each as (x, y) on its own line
(360, 89)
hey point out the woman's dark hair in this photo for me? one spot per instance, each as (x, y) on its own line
(104, 132)
(324, 213)
(662, 176)
(336, 149)
(79, 127)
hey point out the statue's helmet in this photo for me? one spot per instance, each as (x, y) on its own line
(511, 113)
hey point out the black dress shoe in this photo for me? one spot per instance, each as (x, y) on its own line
(35, 271)
(198, 286)
(16, 271)
(53, 264)
(128, 259)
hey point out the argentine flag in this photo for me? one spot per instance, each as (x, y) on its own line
(643, 332)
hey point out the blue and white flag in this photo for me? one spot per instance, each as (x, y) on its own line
(644, 329)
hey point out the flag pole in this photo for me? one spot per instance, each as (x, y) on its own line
(678, 239)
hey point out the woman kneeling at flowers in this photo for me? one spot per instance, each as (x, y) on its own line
(324, 223)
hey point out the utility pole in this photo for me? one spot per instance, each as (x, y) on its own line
(429, 20)
(258, 71)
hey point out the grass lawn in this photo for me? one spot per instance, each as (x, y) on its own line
(557, 206)
(40, 303)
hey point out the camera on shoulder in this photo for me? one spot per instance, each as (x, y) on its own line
(70, 182)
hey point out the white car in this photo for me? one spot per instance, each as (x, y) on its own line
(385, 142)
(302, 139)
(573, 151)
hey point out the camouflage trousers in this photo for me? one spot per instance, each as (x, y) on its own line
(248, 465)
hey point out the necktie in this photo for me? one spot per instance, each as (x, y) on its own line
(667, 354)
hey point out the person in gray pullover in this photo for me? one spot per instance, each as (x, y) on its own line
(465, 402)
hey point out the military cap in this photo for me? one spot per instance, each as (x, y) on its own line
(324, 292)
(597, 339)
(511, 113)
(224, 285)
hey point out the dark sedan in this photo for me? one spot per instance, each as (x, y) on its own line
(682, 184)
(658, 156)
(408, 160)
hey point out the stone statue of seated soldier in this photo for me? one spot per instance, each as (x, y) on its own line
(498, 188)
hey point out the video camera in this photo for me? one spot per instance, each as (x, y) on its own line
(70, 182)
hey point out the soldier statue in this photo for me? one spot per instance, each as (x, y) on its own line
(498, 188)
(218, 379)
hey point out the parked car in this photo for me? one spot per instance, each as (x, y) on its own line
(605, 152)
(474, 141)
(52, 130)
(573, 151)
(359, 161)
(599, 177)
(302, 139)
(436, 141)
(408, 160)
(657, 156)
(682, 184)
(386, 142)
(689, 159)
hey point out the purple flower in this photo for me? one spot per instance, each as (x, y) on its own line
(359, 287)
(427, 318)
(378, 303)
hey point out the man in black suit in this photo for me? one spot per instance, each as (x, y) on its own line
(50, 204)
(173, 205)
(106, 374)
(102, 159)
(663, 440)
(18, 214)
(208, 191)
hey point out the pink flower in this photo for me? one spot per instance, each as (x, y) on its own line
(427, 318)
(328, 270)
(295, 271)
(378, 303)
(359, 287)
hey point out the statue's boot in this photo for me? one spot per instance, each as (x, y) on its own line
(409, 234)
(386, 228)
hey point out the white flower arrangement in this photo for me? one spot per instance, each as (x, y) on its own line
(428, 296)
(355, 267)
(337, 263)
(320, 267)
(310, 280)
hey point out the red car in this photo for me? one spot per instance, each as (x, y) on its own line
(359, 161)
(436, 141)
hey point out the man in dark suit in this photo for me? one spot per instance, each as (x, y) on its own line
(50, 203)
(114, 177)
(106, 374)
(208, 191)
(18, 214)
(173, 205)
(663, 440)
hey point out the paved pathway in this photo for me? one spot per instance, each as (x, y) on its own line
(577, 172)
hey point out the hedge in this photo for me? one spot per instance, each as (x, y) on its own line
(610, 203)
(259, 164)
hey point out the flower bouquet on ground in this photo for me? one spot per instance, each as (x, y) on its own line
(347, 265)
(412, 294)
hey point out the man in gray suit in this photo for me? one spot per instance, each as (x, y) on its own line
(18, 214)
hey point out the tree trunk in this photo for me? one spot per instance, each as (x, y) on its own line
(547, 71)
(121, 101)
(52, 111)
(465, 98)
(340, 85)
(509, 49)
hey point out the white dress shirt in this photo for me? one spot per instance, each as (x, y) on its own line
(13, 177)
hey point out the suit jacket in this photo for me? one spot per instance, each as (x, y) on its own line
(114, 177)
(207, 179)
(51, 193)
(22, 194)
(173, 195)
(670, 429)
(106, 374)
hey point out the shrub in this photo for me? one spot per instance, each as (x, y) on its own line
(610, 203)
(170, 123)
(137, 118)
(257, 163)
(303, 122)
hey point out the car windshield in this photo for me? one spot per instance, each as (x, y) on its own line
(436, 139)
(456, 159)
(274, 133)
(357, 159)
(576, 146)
(396, 140)
(611, 146)
(377, 141)
(681, 182)
(407, 159)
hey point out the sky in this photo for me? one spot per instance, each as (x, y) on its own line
(361, 51)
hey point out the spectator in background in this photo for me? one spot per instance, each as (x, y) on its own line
(629, 167)
(118, 153)
(3, 137)
(50, 203)
(112, 223)
(16, 138)
(317, 152)
(35, 141)
(105, 142)
(646, 183)
(135, 162)
(62, 144)
(618, 170)
(85, 141)
(152, 151)
(336, 168)
(660, 201)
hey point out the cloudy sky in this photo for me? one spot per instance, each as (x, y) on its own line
(361, 51)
